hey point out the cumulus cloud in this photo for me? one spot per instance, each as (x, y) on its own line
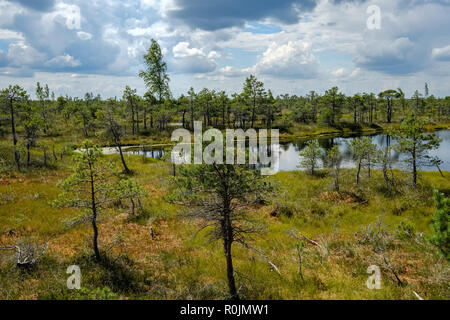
(400, 56)
(182, 50)
(192, 60)
(21, 54)
(441, 54)
(291, 60)
(63, 61)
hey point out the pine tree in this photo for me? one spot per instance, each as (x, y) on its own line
(311, 155)
(217, 195)
(440, 224)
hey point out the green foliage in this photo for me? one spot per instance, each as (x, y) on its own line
(155, 74)
(334, 158)
(332, 104)
(218, 194)
(253, 95)
(131, 190)
(405, 230)
(311, 155)
(413, 140)
(440, 224)
(93, 186)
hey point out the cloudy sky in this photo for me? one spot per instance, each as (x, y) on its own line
(294, 46)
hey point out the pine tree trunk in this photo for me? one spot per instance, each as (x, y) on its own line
(358, 171)
(94, 216)
(28, 155)
(125, 167)
(13, 129)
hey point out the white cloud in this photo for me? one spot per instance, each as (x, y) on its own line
(63, 61)
(21, 54)
(441, 54)
(339, 72)
(193, 60)
(84, 35)
(214, 55)
(161, 6)
(69, 14)
(291, 60)
(229, 71)
(10, 34)
(182, 50)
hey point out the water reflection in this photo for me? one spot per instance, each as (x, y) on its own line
(290, 152)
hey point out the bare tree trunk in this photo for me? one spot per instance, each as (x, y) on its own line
(336, 180)
(414, 170)
(54, 153)
(228, 236)
(125, 167)
(28, 154)
(94, 216)
(45, 155)
(440, 171)
(13, 129)
(230, 271)
(253, 113)
(137, 121)
(145, 118)
(132, 206)
(223, 115)
(358, 171)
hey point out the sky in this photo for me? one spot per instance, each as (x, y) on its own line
(293, 46)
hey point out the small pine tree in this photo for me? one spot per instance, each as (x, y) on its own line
(93, 186)
(218, 195)
(440, 225)
(130, 189)
(311, 154)
(415, 142)
(32, 123)
(364, 152)
(334, 158)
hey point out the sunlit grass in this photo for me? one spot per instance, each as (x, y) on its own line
(180, 264)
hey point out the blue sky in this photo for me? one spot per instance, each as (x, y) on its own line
(294, 46)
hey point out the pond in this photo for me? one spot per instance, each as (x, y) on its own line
(290, 152)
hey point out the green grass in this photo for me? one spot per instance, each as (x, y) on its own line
(179, 264)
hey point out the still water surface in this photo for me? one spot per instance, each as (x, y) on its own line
(290, 152)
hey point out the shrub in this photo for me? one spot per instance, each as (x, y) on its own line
(405, 230)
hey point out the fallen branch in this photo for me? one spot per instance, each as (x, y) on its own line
(418, 297)
(25, 260)
(303, 237)
(265, 258)
(399, 282)
(274, 267)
